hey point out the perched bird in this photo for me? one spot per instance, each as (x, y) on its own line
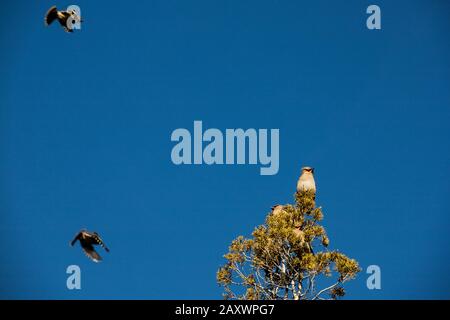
(299, 234)
(65, 18)
(87, 241)
(306, 180)
(276, 209)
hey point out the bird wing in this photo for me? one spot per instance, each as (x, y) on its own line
(91, 253)
(51, 15)
(77, 237)
(99, 241)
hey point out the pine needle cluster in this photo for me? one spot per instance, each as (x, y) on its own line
(287, 258)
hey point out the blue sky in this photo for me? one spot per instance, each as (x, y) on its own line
(86, 119)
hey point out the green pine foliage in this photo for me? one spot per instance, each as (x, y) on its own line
(286, 258)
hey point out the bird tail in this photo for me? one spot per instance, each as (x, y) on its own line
(51, 15)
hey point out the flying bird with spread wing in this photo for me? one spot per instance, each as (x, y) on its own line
(65, 18)
(87, 241)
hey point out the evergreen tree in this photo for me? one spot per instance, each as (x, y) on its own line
(287, 258)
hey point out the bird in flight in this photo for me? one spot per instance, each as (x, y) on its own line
(65, 18)
(306, 181)
(87, 241)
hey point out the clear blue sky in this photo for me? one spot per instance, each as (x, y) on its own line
(86, 118)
